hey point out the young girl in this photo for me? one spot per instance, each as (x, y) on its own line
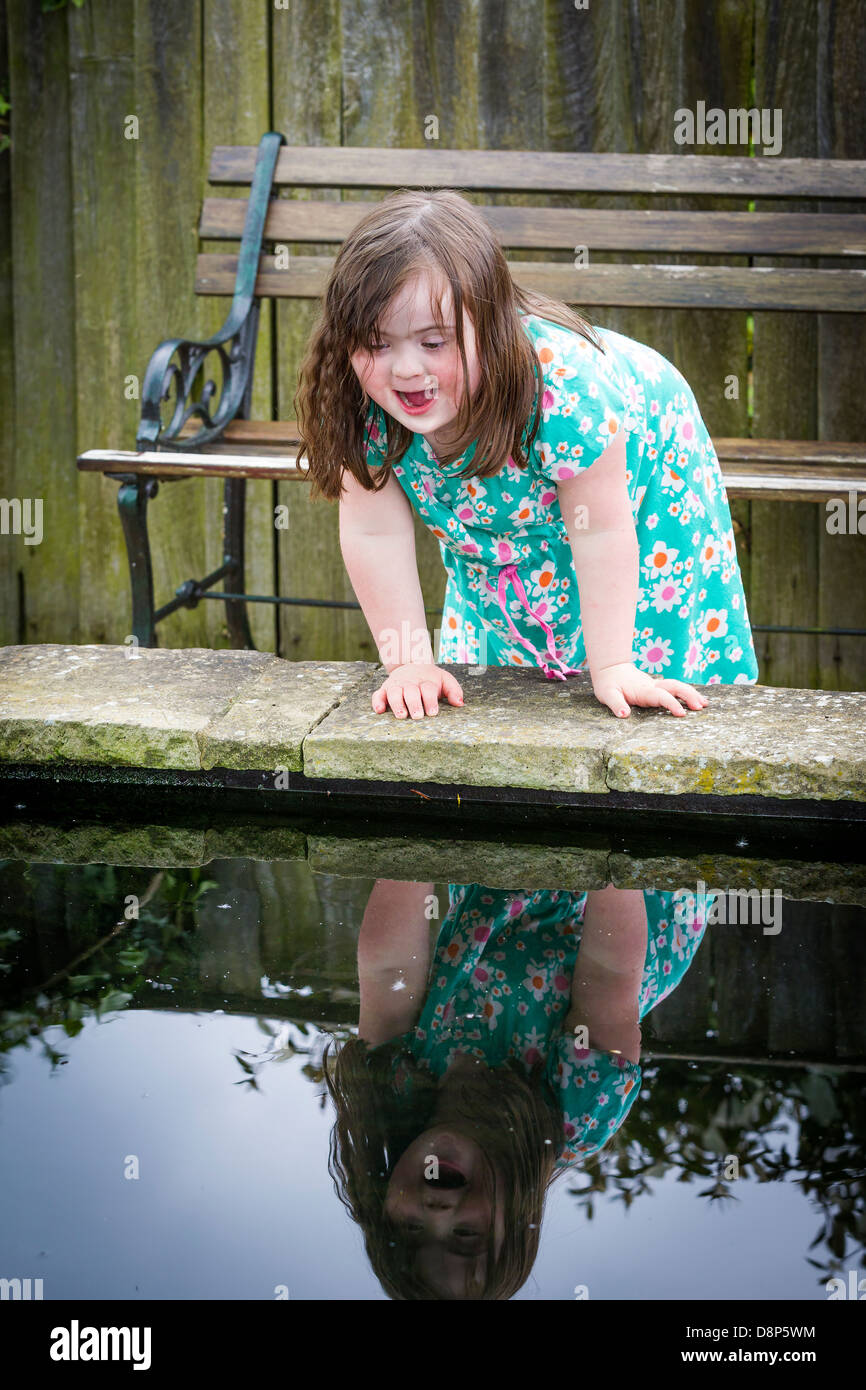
(565, 471)
(475, 1081)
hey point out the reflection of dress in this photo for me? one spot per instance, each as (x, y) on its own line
(500, 986)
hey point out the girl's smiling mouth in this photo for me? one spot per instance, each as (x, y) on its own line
(416, 402)
(448, 1175)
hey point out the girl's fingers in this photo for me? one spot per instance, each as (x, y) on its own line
(430, 696)
(395, 700)
(666, 699)
(693, 698)
(451, 689)
(414, 704)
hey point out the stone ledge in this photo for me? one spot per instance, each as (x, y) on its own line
(182, 709)
(200, 710)
(518, 729)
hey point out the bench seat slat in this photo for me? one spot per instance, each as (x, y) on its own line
(744, 477)
(656, 286)
(512, 171)
(540, 229)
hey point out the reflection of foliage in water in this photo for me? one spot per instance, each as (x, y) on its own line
(113, 968)
(283, 1045)
(802, 1126)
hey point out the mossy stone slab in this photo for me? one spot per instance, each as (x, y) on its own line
(184, 709)
(267, 722)
(116, 705)
(516, 729)
(750, 740)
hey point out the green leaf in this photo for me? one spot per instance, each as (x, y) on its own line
(114, 999)
(818, 1094)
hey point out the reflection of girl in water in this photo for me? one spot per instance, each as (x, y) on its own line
(475, 1081)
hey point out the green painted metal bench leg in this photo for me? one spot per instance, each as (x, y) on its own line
(132, 499)
(234, 511)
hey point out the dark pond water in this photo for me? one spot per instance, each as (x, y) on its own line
(533, 1092)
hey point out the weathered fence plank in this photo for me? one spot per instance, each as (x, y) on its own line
(44, 318)
(236, 62)
(307, 38)
(10, 545)
(841, 349)
(785, 572)
(103, 233)
(169, 160)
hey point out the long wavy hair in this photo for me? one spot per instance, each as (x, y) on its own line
(383, 1100)
(406, 233)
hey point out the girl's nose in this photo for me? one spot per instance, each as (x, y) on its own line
(441, 1199)
(407, 365)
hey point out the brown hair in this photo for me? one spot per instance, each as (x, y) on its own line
(515, 1119)
(408, 232)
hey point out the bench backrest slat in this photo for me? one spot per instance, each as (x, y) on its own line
(540, 229)
(653, 286)
(531, 171)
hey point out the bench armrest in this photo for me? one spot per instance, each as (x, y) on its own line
(234, 343)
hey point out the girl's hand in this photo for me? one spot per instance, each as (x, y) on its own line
(618, 687)
(416, 688)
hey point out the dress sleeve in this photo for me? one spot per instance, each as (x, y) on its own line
(595, 1091)
(375, 436)
(583, 405)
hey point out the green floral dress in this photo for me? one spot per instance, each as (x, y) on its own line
(507, 530)
(500, 987)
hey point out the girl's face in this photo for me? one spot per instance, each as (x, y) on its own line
(446, 1215)
(414, 370)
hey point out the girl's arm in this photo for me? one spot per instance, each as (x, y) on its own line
(605, 988)
(393, 959)
(377, 541)
(598, 517)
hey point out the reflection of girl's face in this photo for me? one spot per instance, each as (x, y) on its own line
(446, 1220)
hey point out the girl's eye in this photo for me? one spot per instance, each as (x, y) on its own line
(375, 347)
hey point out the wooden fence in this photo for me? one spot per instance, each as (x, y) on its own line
(98, 235)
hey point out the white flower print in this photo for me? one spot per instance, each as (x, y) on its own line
(661, 558)
(713, 624)
(665, 594)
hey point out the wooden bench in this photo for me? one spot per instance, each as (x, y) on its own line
(210, 435)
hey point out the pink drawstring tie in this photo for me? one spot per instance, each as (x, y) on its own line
(510, 572)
